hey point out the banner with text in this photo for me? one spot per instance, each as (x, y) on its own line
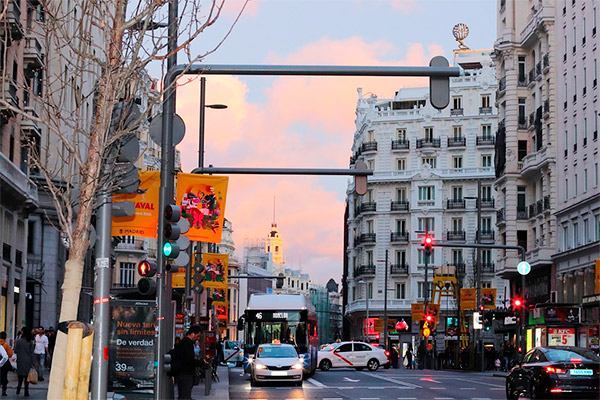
(144, 222)
(202, 201)
(467, 298)
(215, 270)
(131, 345)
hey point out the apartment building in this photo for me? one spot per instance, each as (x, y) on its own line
(526, 176)
(427, 164)
(578, 191)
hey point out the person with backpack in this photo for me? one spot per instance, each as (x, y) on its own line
(183, 363)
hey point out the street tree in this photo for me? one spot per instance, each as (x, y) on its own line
(94, 53)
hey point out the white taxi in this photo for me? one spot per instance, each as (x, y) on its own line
(276, 363)
(356, 355)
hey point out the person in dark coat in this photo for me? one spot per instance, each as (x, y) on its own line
(409, 357)
(185, 351)
(24, 352)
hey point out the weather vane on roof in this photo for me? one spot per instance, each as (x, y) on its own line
(460, 32)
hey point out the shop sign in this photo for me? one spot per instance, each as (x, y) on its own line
(562, 315)
(593, 342)
(510, 320)
(561, 336)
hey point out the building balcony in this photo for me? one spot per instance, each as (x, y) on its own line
(521, 213)
(401, 205)
(368, 147)
(428, 143)
(531, 75)
(364, 270)
(10, 96)
(546, 62)
(455, 112)
(457, 142)
(403, 144)
(459, 268)
(455, 204)
(456, 236)
(399, 269)
(534, 161)
(485, 140)
(368, 207)
(547, 202)
(500, 215)
(485, 110)
(522, 122)
(501, 87)
(540, 255)
(522, 81)
(538, 70)
(487, 203)
(547, 108)
(486, 268)
(485, 236)
(33, 54)
(399, 237)
(367, 238)
(531, 124)
(12, 17)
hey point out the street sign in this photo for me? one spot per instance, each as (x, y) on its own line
(523, 267)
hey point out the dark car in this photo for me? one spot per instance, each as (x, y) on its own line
(555, 372)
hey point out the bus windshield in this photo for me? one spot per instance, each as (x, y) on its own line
(284, 331)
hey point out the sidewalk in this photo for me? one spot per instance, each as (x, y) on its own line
(219, 390)
(37, 391)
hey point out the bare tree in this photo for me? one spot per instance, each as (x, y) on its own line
(95, 53)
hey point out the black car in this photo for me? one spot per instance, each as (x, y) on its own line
(555, 371)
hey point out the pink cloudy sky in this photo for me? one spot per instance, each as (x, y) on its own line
(300, 122)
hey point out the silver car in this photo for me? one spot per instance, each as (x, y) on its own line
(276, 363)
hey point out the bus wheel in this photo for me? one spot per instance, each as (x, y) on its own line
(325, 365)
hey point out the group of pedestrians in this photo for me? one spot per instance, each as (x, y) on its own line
(396, 357)
(32, 350)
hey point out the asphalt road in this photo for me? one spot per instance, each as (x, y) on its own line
(397, 384)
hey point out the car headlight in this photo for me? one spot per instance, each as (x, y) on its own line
(259, 366)
(297, 366)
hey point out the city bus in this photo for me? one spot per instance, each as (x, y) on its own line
(281, 318)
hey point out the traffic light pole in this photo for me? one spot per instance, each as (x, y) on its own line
(163, 388)
(101, 298)
(385, 319)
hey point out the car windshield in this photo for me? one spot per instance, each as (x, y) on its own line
(330, 347)
(568, 354)
(277, 352)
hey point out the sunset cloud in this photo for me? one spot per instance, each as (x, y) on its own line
(297, 122)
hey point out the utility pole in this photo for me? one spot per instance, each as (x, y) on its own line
(385, 328)
(163, 388)
(479, 269)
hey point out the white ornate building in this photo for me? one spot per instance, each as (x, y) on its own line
(426, 163)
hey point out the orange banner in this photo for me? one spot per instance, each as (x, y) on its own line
(202, 201)
(467, 298)
(416, 311)
(178, 278)
(215, 270)
(488, 298)
(144, 222)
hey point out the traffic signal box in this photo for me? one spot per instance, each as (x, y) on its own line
(174, 242)
(146, 269)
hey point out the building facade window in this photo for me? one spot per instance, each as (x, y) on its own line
(401, 162)
(575, 235)
(401, 134)
(457, 132)
(485, 101)
(421, 257)
(127, 273)
(565, 237)
(431, 161)
(457, 103)
(486, 160)
(421, 289)
(457, 162)
(429, 133)
(486, 131)
(586, 231)
(400, 290)
(426, 224)
(426, 193)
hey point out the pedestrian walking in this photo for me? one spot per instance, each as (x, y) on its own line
(185, 352)
(51, 334)
(24, 352)
(409, 357)
(5, 367)
(40, 351)
(394, 357)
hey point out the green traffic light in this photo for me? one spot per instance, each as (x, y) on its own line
(167, 249)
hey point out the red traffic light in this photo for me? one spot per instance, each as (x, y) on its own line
(429, 318)
(427, 241)
(517, 302)
(147, 268)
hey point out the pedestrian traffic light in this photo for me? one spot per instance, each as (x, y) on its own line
(174, 243)
(146, 269)
(488, 319)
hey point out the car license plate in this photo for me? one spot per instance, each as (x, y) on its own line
(279, 373)
(581, 372)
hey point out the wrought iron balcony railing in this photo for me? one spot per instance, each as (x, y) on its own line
(399, 269)
(364, 270)
(485, 140)
(455, 204)
(428, 143)
(485, 235)
(403, 144)
(399, 237)
(455, 235)
(401, 205)
(368, 146)
(457, 142)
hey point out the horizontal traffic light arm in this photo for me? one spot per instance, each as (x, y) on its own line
(520, 249)
(254, 277)
(282, 171)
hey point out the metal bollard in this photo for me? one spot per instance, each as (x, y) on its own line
(207, 379)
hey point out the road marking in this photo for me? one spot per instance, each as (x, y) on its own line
(437, 388)
(315, 382)
(375, 387)
(405, 385)
(429, 380)
(443, 398)
(407, 398)
(332, 398)
(345, 387)
(369, 398)
(479, 382)
(467, 388)
(497, 388)
(351, 380)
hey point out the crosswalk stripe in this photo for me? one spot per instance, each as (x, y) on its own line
(396, 381)
(315, 382)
